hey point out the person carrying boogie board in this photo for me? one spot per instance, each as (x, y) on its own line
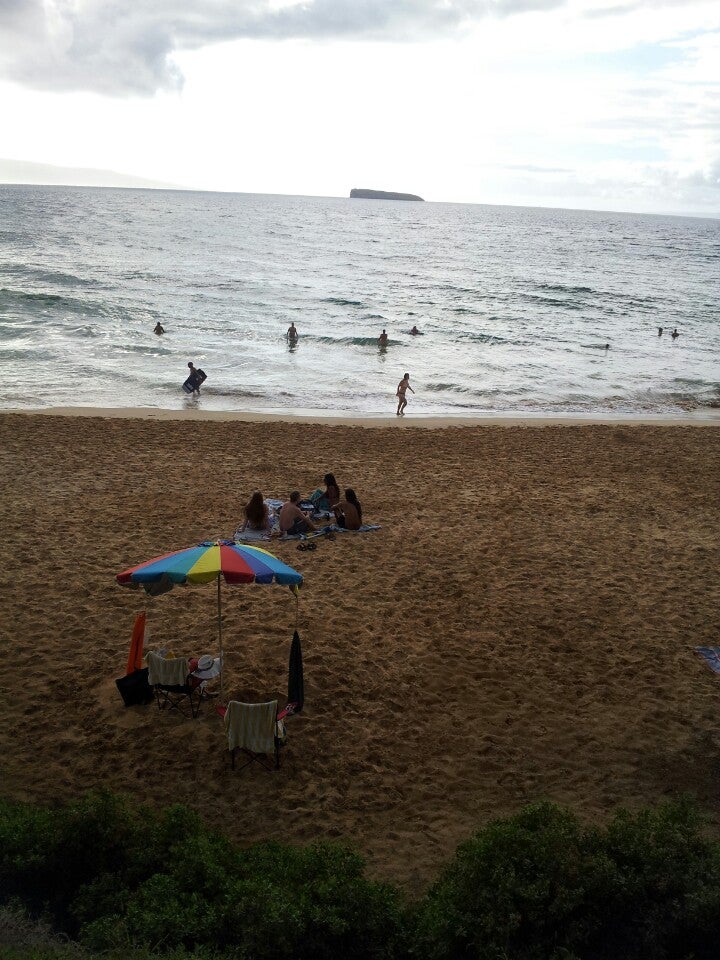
(196, 379)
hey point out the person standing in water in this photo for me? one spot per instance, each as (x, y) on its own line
(383, 339)
(196, 379)
(675, 334)
(403, 386)
(660, 331)
(292, 333)
(159, 329)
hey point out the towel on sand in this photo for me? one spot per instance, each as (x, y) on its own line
(711, 656)
(251, 726)
(329, 528)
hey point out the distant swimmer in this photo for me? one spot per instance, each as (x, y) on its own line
(196, 379)
(607, 346)
(383, 339)
(660, 331)
(415, 332)
(400, 394)
(292, 333)
(675, 334)
(159, 329)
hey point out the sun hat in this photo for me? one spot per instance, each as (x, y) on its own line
(208, 667)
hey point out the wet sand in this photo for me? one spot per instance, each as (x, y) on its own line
(521, 627)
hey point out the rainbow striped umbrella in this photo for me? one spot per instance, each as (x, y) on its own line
(210, 560)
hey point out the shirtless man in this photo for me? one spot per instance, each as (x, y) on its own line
(292, 519)
(196, 379)
(292, 333)
(402, 387)
(383, 339)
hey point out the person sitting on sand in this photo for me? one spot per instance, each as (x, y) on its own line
(675, 334)
(292, 333)
(292, 519)
(159, 329)
(323, 499)
(383, 339)
(257, 514)
(348, 511)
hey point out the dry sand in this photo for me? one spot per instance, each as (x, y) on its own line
(521, 627)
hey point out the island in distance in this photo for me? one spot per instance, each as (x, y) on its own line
(362, 194)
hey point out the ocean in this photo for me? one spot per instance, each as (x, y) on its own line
(515, 305)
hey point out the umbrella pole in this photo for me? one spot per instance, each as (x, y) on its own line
(220, 642)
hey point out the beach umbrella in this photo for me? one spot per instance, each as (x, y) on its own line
(211, 560)
(296, 689)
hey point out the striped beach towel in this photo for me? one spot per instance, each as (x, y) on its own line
(251, 726)
(169, 673)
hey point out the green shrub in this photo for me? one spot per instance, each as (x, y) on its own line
(119, 877)
(665, 901)
(129, 882)
(538, 886)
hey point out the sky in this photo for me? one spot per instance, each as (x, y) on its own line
(591, 104)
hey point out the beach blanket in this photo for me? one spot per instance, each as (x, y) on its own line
(711, 656)
(329, 528)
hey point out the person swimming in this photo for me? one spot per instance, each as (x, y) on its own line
(415, 332)
(159, 329)
(675, 334)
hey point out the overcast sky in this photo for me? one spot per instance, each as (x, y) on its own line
(604, 104)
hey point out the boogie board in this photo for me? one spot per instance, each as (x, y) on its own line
(194, 381)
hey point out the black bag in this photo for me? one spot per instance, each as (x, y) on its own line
(134, 688)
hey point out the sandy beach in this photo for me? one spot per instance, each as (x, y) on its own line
(520, 628)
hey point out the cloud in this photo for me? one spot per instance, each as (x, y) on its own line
(116, 47)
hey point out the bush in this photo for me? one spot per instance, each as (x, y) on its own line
(121, 877)
(130, 882)
(539, 886)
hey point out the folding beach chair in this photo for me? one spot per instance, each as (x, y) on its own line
(170, 679)
(254, 729)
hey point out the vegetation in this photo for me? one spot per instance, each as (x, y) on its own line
(102, 875)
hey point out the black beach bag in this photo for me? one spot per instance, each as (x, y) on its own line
(134, 688)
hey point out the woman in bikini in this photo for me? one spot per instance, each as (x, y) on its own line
(349, 511)
(257, 514)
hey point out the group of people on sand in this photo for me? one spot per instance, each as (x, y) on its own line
(294, 515)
